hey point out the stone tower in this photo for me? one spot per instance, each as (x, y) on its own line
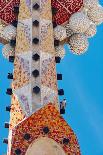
(34, 32)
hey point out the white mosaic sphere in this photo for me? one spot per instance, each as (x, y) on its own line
(90, 3)
(9, 32)
(91, 31)
(78, 43)
(60, 51)
(84, 10)
(96, 14)
(79, 22)
(7, 51)
(60, 33)
(69, 32)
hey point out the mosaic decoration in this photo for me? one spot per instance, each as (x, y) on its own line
(21, 37)
(79, 22)
(21, 73)
(91, 31)
(49, 76)
(90, 3)
(45, 12)
(65, 8)
(45, 64)
(78, 43)
(46, 45)
(48, 94)
(60, 51)
(60, 33)
(69, 31)
(3, 39)
(6, 10)
(96, 14)
(66, 21)
(24, 12)
(84, 22)
(7, 51)
(16, 115)
(45, 25)
(9, 32)
(28, 3)
(27, 26)
(25, 98)
(44, 4)
(59, 129)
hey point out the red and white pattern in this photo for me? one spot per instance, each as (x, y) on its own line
(65, 9)
(6, 10)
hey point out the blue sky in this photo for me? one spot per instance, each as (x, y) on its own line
(83, 86)
(5, 67)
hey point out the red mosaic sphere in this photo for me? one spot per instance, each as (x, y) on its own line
(65, 8)
(6, 10)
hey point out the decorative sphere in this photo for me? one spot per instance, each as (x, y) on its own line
(96, 14)
(60, 51)
(91, 31)
(79, 22)
(78, 43)
(7, 51)
(9, 32)
(69, 32)
(60, 33)
(90, 3)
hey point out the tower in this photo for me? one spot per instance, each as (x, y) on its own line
(34, 35)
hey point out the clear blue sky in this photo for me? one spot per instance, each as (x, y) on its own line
(83, 85)
(5, 67)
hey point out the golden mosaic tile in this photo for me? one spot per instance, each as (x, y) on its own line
(16, 115)
(47, 43)
(46, 14)
(22, 44)
(24, 12)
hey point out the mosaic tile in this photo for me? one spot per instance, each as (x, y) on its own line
(44, 65)
(48, 77)
(48, 95)
(21, 38)
(25, 98)
(24, 11)
(21, 73)
(47, 116)
(27, 27)
(47, 45)
(65, 8)
(44, 26)
(16, 115)
(6, 13)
